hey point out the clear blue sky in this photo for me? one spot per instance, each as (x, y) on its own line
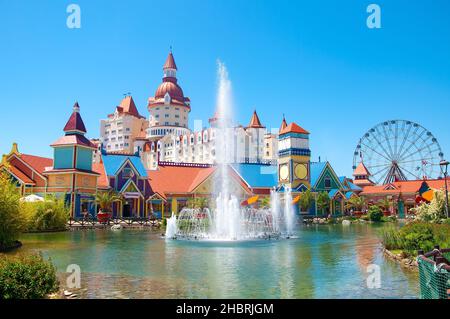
(315, 61)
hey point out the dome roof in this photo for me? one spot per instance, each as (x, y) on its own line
(170, 87)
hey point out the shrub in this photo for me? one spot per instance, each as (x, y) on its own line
(27, 277)
(391, 239)
(375, 214)
(365, 217)
(52, 214)
(417, 236)
(11, 221)
(434, 211)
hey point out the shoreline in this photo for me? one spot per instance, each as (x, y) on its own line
(408, 263)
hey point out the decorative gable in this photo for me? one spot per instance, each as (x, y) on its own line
(328, 179)
(390, 187)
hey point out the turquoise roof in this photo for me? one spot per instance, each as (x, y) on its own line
(258, 175)
(113, 162)
(348, 195)
(316, 169)
(332, 192)
(352, 186)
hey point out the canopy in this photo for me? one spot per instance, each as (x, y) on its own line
(32, 198)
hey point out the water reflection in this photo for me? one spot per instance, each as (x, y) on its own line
(323, 262)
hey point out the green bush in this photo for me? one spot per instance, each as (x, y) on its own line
(391, 239)
(365, 217)
(11, 220)
(375, 214)
(416, 236)
(27, 277)
(52, 214)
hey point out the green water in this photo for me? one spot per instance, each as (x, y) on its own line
(323, 262)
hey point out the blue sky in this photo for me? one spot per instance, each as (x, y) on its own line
(315, 61)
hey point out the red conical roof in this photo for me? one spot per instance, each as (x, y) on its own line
(128, 106)
(255, 122)
(75, 122)
(361, 170)
(170, 62)
(293, 128)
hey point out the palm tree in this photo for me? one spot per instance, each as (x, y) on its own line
(385, 204)
(106, 199)
(305, 200)
(323, 201)
(356, 202)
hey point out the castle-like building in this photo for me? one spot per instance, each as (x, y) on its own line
(157, 163)
(166, 136)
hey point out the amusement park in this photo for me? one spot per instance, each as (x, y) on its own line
(252, 203)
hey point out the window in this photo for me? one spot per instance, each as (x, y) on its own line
(327, 182)
(157, 116)
(127, 172)
(166, 107)
(126, 137)
(166, 115)
(127, 129)
(177, 116)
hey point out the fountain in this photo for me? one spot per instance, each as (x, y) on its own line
(229, 221)
(171, 227)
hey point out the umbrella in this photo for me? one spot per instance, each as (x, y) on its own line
(32, 198)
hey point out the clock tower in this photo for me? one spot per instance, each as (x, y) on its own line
(293, 156)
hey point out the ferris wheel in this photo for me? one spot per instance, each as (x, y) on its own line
(399, 150)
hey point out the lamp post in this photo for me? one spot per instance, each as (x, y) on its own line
(444, 169)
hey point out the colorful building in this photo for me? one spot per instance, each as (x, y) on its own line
(126, 175)
(403, 195)
(68, 175)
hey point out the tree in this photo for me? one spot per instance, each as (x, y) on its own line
(375, 213)
(323, 202)
(305, 200)
(12, 222)
(356, 202)
(385, 204)
(106, 199)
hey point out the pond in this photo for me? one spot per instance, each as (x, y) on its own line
(323, 261)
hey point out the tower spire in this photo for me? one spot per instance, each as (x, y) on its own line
(283, 124)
